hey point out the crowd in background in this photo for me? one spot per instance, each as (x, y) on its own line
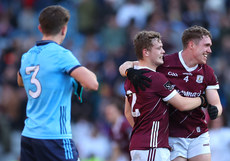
(100, 35)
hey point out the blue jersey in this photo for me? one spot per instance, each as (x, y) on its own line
(45, 70)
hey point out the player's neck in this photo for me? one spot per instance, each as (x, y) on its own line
(188, 58)
(147, 64)
(55, 38)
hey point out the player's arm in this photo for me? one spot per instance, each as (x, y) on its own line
(87, 78)
(128, 113)
(213, 99)
(126, 65)
(19, 80)
(136, 77)
(186, 103)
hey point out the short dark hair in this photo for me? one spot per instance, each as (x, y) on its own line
(53, 18)
(195, 33)
(143, 40)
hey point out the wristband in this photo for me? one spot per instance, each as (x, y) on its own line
(202, 100)
(126, 72)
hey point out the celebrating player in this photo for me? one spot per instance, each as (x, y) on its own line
(147, 111)
(190, 74)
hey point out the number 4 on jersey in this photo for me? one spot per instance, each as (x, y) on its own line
(186, 78)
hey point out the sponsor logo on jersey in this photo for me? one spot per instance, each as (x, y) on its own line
(172, 74)
(169, 86)
(199, 78)
(189, 94)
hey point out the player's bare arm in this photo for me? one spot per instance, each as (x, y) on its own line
(186, 103)
(137, 77)
(126, 65)
(19, 80)
(86, 78)
(214, 99)
(128, 113)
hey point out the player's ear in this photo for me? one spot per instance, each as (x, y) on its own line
(40, 28)
(145, 52)
(64, 30)
(191, 44)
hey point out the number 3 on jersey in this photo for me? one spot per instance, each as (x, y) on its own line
(34, 81)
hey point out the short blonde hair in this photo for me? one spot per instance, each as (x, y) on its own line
(143, 40)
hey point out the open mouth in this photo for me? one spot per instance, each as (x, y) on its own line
(206, 56)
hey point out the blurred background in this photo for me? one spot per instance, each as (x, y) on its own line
(100, 35)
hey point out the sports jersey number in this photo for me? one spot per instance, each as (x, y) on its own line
(34, 81)
(136, 113)
(186, 78)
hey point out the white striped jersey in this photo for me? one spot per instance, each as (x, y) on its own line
(150, 112)
(189, 82)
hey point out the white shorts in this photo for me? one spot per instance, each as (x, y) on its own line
(189, 147)
(154, 154)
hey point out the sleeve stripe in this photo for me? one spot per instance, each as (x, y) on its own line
(70, 71)
(213, 87)
(171, 95)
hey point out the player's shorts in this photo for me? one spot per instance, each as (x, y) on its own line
(189, 147)
(48, 150)
(153, 154)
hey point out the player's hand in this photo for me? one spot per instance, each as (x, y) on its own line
(212, 111)
(78, 89)
(204, 102)
(138, 79)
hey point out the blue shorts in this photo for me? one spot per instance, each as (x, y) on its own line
(48, 149)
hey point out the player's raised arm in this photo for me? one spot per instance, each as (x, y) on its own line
(87, 78)
(136, 76)
(126, 65)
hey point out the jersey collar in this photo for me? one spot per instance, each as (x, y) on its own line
(183, 63)
(44, 42)
(143, 67)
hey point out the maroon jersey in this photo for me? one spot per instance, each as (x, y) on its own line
(189, 82)
(150, 112)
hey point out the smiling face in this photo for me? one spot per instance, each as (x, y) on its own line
(202, 49)
(197, 44)
(156, 53)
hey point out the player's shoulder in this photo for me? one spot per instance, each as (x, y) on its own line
(207, 68)
(55, 46)
(148, 71)
(171, 59)
(152, 74)
(156, 77)
(160, 76)
(28, 53)
(171, 56)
